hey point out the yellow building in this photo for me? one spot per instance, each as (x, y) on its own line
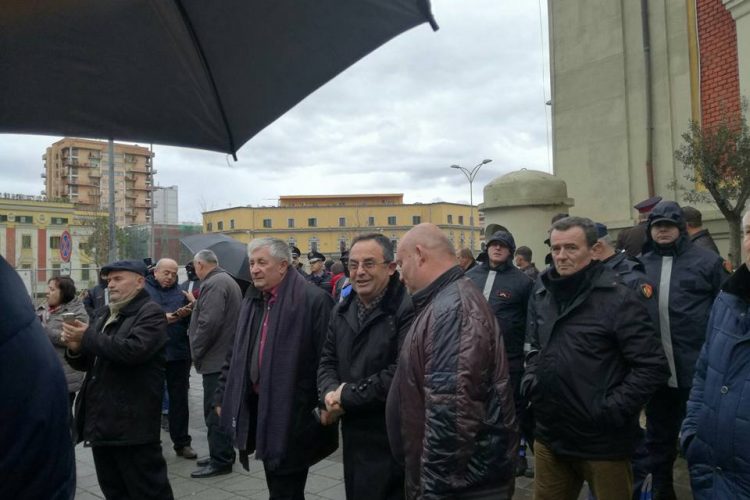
(77, 170)
(30, 232)
(329, 223)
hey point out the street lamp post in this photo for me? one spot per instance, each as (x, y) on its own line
(470, 175)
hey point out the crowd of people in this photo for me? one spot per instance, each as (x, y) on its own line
(442, 371)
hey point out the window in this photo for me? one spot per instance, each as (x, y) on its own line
(313, 243)
(267, 223)
(394, 242)
(54, 242)
(24, 219)
(391, 220)
(342, 245)
(450, 219)
(220, 225)
(26, 241)
(290, 223)
(312, 222)
(59, 221)
(85, 274)
(3, 218)
(371, 221)
(209, 226)
(342, 221)
(55, 270)
(231, 223)
(461, 219)
(416, 219)
(83, 247)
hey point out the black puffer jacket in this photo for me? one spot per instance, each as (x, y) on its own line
(120, 400)
(509, 299)
(695, 276)
(594, 361)
(450, 411)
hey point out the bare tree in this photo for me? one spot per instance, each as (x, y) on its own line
(716, 161)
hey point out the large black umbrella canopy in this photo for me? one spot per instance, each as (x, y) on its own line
(232, 254)
(194, 73)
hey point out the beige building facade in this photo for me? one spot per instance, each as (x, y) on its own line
(77, 170)
(329, 223)
(620, 105)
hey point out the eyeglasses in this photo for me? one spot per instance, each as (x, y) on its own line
(368, 265)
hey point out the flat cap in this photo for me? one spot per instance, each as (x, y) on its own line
(134, 266)
(646, 206)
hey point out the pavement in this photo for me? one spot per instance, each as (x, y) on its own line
(325, 481)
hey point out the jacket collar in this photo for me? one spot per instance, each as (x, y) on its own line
(390, 300)
(425, 296)
(136, 303)
(739, 283)
(500, 267)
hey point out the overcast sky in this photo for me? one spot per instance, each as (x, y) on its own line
(392, 123)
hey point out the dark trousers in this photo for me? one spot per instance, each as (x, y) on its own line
(287, 485)
(219, 441)
(136, 472)
(657, 452)
(178, 383)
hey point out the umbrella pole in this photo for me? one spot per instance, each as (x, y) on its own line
(112, 240)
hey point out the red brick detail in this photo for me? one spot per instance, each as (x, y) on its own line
(719, 70)
(10, 245)
(41, 255)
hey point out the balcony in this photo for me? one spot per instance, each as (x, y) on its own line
(44, 175)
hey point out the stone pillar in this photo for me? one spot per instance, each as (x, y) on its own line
(524, 202)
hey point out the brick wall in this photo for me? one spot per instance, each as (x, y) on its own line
(719, 73)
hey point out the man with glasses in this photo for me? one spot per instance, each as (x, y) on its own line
(357, 366)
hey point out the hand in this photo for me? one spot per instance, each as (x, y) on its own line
(329, 417)
(189, 296)
(73, 332)
(171, 317)
(184, 312)
(217, 409)
(333, 400)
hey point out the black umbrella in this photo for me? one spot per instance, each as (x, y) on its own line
(232, 254)
(194, 73)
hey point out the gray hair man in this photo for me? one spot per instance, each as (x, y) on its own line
(211, 331)
(267, 393)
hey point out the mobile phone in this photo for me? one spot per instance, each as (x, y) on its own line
(68, 317)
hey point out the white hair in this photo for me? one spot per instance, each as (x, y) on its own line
(278, 249)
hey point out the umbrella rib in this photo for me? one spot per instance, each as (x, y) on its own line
(209, 74)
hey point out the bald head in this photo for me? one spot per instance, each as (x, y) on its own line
(166, 272)
(424, 253)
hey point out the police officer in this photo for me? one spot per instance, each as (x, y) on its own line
(630, 270)
(507, 289)
(319, 275)
(633, 238)
(688, 278)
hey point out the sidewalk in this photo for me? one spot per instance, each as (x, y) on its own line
(325, 482)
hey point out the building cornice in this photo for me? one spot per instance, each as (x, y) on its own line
(738, 8)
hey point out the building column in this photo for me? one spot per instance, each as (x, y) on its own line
(41, 255)
(10, 245)
(740, 10)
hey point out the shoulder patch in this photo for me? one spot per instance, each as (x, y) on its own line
(727, 266)
(647, 290)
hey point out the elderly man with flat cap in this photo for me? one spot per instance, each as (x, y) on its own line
(118, 408)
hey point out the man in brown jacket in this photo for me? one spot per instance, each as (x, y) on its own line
(450, 413)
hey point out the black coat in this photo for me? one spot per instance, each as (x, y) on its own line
(120, 401)
(695, 280)
(364, 357)
(633, 274)
(509, 299)
(37, 459)
(595, 360)
(703, 239)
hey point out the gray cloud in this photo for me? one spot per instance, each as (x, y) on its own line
(394, 122)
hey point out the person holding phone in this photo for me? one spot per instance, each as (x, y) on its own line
(63, 305)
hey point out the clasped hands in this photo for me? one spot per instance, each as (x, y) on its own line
(333, 410)
(72, 334)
